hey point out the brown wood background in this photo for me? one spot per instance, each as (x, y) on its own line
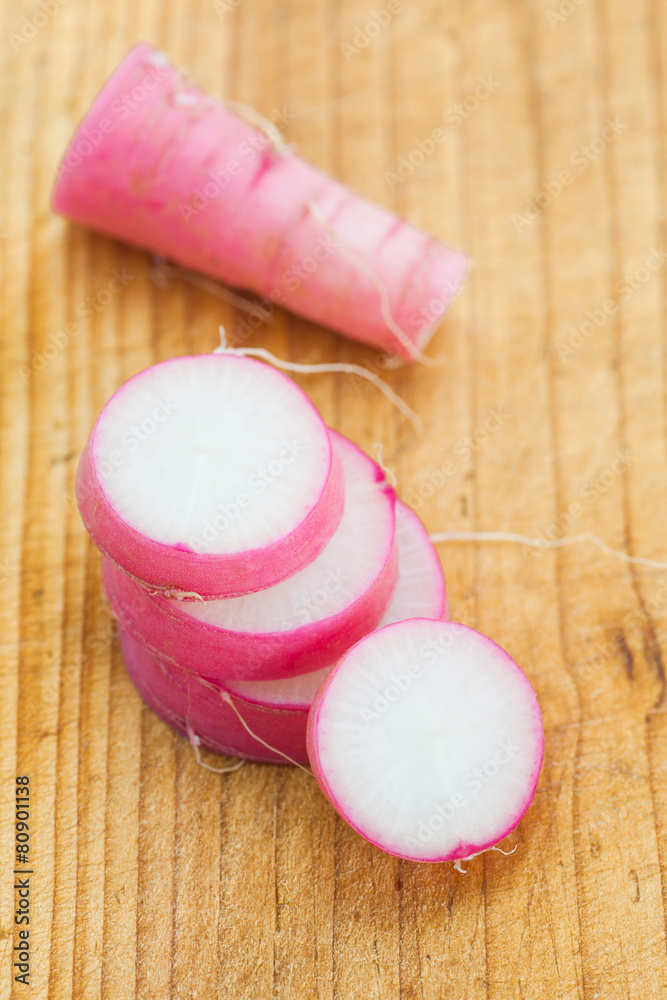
(156, 879)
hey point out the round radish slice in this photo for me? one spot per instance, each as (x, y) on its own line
(211, 474)
(427, 738)
(419, 593)
(305, 622)
(276, 711)
(200, 710)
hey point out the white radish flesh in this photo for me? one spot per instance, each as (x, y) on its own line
(276, 711)
(419, 592)
(301, 624)
(427, 738)
(211, 475)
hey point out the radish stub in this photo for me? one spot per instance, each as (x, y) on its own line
(419, 593)
(161, 164)
(427, 738)
(302, 623)
(211, 474)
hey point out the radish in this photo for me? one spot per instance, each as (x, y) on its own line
(162, 165)
(276, 711)
(427, 738)
(210, 475)
(203, 712)
(299, 625)
(419, 592)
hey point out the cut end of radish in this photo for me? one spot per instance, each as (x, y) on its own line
(211, 474)
(211, 454)
(345, 571)
(438, 284)
(427, 738)
(419, 593)
(302, 623)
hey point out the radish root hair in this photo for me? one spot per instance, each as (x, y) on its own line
(178, 595)
(253, 117)
(464, 871)
(381, 288)
(162, 271)
(184, 595)
(543, 543)
(504, 853)
(195, 743)
(292, 366)
(224, 695)
(106, 604)
(391, 478)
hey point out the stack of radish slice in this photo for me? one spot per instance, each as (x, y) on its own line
(260, 564)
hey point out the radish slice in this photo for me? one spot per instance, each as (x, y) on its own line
(427, 738)
(276, 711)
(196, 709)
(211, 474)
(419, 593)
(305, 622)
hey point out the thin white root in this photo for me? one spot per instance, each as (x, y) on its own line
(380, 287)
(464, 871)
(184, 595)
(542, 543)
(391, 478)
(178, 595)
(228, 701)
(505, 853)
(253, 117)
(107, 606)
(292, 366)
(195, 743)
(162, 270)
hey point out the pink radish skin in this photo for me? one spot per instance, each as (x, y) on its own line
(277, 711)
(427, 739)
(158, 163)
(190, 705)
(174, 483)
(305, 622)
(419, 592)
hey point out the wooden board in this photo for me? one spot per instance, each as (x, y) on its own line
(156, 879)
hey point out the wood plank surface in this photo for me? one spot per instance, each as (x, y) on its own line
(154, 878)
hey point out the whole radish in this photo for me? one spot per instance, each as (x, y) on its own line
(427, 738)
(161, 164)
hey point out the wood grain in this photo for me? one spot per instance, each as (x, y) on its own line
(154, 878)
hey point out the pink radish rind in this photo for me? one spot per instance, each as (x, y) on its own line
(175, 631)
(419, 591)
(175, 566)
(437, 732)
(276, 710)
(193, 706)
(162, 165)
